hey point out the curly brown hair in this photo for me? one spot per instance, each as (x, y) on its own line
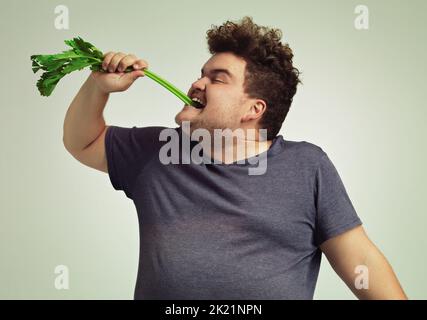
(269, 73)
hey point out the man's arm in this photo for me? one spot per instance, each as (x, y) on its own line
(84, 125)
(353, 248)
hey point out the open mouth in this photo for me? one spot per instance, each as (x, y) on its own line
(197, 103)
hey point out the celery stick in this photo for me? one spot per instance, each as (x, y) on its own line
(168, 86)
(81, 55)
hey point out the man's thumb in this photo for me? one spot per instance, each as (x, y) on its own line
(133, 75)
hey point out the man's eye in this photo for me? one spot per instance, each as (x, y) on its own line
(214, 80)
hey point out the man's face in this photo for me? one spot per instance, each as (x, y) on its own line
(221, 89)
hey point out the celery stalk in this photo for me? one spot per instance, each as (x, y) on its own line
(169, 86)
(81, 55)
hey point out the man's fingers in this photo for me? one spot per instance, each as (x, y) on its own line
(140, 64)
(112, 67)
(119, 62)
(127, 61)
(107, 59)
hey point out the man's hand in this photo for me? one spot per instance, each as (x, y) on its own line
(115, 79)
(84, 124)
(353, 248)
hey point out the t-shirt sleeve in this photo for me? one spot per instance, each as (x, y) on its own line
(335, 212)
(128, 150)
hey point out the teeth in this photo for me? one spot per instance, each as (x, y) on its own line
(198, 100)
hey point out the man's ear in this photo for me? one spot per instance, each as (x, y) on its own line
(256, 111)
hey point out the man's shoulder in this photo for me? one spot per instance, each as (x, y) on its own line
(305, 149)
(154, 129)
(304, 156)
(140, 132)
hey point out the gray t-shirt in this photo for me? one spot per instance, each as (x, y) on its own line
(212, 231)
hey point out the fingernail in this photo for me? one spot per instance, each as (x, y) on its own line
(136, 66)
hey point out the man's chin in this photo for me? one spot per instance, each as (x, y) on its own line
(179, 118)
(192, 122)
(186, 114)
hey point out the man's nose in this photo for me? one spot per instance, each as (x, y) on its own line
(199, 84)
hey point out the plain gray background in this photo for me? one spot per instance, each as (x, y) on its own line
(362, 101)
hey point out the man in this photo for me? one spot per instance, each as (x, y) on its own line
(211, 230)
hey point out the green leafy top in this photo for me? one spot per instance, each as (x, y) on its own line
(56, 66)
(83, 54)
